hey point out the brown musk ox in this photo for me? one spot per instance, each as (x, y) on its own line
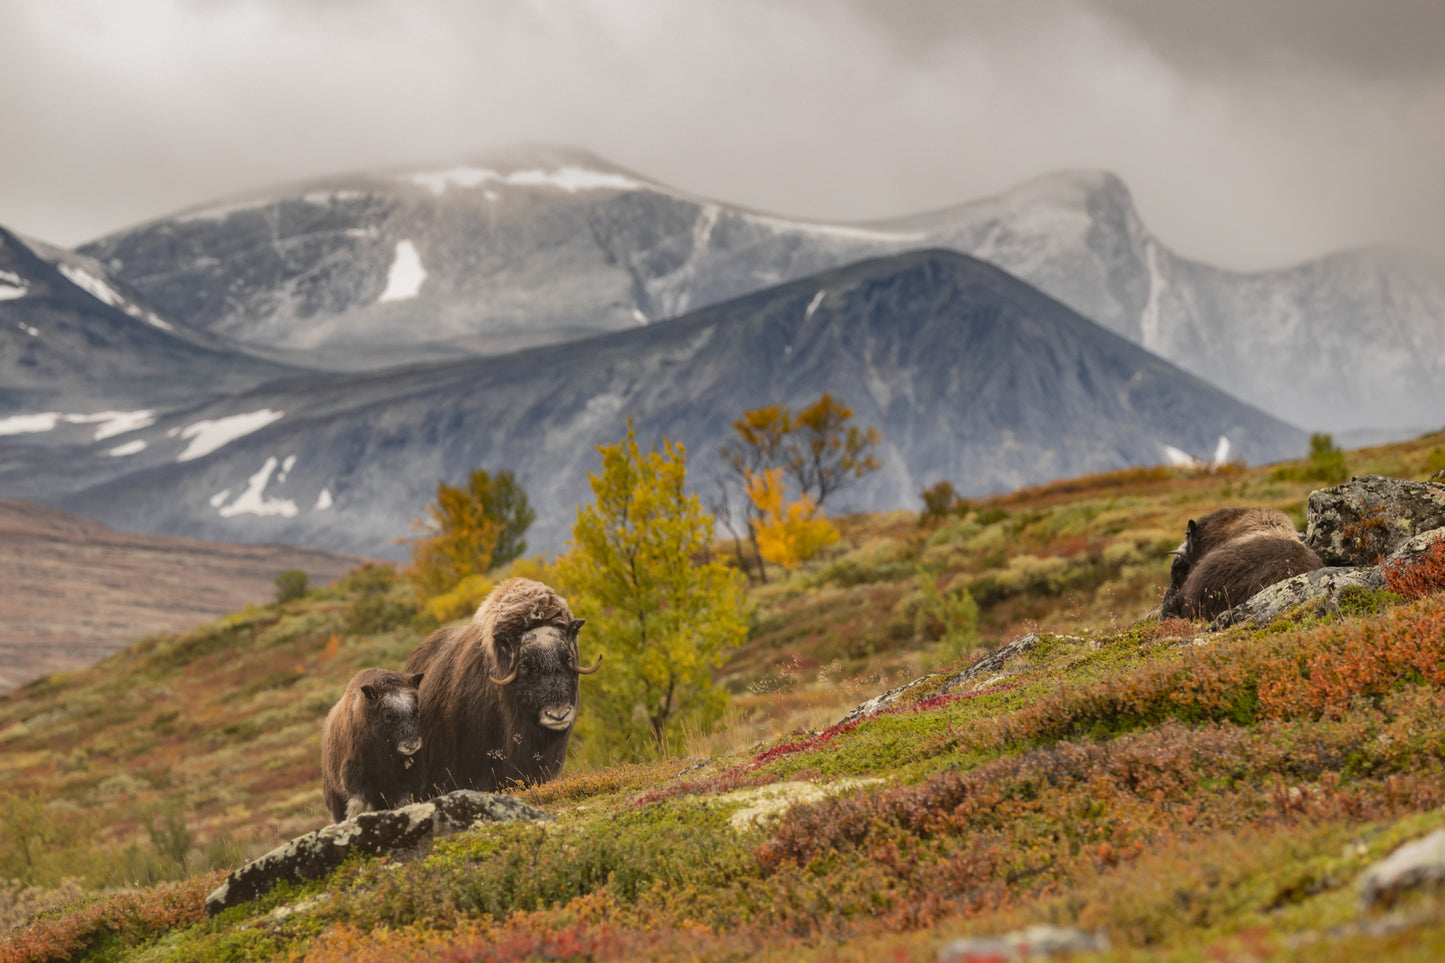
(369, 745)
(1229, 555)
(500, 695)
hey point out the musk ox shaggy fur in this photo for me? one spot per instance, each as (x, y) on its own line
(500, 696)
(369, 745)
(1229, 555)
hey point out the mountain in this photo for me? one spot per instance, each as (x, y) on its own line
(540, 245)
(969, 373)
(82, 356)
(76, 591)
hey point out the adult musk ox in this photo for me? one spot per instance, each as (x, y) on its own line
(1229, 555)
(500, 695)
(369, 745)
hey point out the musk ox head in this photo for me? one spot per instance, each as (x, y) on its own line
(391, 714)
(541, 673)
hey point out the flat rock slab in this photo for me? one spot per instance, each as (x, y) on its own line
(1323, 585)
(1036, 942)
(405, 831)
(1413, 866)
(1367, 518)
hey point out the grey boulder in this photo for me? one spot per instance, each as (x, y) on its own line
(407, 831)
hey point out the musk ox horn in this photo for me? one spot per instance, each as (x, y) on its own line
(581, 671)
(504, 680)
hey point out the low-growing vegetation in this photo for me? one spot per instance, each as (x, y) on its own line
(1196, 796)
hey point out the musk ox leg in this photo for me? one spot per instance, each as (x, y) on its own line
(355, 806)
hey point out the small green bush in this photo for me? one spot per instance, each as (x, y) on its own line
(290, 585)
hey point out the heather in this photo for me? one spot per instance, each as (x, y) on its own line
(1197, 796)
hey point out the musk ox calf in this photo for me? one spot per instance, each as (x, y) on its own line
(1229, 555)
(369, 745)
(500, 695)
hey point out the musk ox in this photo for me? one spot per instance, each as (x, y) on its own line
(1229, 555)
(500, 695)
(369, 745)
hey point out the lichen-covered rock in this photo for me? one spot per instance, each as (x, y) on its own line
(1032, 943)
(1322, 586)
(1368, 517)
(1410, 552)
(406, 831)
(990, 664)
(1413, 866)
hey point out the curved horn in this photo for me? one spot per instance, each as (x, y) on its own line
(581, 671)
(505, 680)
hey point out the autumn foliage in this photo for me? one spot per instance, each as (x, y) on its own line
(788, 533)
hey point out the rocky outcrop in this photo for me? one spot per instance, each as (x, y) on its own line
(1368, 517)
(407, 831)
(991, 664)
(1415, 865)
(1322, 586)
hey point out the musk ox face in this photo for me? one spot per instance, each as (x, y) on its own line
(392, 716)
(543, 674)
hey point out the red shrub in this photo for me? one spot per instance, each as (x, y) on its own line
(1424, 576)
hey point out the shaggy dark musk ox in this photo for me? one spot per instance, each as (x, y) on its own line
(369, 745)
(500, 695)
(1229, 555)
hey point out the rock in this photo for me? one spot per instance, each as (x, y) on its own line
(1032, 943)
(407, 831)
(991, 663)
(1413, 866)
(1367, 518)
(1323, 585)
(1410, 552)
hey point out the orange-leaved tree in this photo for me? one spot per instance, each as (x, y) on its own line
(469, 531)
(788, 532)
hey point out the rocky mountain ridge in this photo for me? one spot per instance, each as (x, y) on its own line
(546, 244)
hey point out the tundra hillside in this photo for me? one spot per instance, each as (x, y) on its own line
(1206, 801)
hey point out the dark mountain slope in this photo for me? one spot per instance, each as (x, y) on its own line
(969, 373)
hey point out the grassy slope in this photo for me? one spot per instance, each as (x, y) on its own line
(1197, 801)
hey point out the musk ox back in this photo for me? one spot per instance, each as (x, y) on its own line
(500, 695)
(369, 744)
(1229, 555)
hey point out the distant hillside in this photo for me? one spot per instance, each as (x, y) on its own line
(76, 591)
(545, 244)
(970, 375)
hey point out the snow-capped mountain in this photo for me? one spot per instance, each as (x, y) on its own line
(969, 373)
(542, 245)
(83, 357)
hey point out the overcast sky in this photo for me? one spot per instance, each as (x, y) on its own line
(1253, 133)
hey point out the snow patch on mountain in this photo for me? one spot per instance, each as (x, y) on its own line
(31, 330)
(29, 424)
(207, 435)
(1149, 318)
(111, 422)
(323, 501)
(253, 500)
(850, 232)
(404, 279)
(813, 305)
(129, 448)
(1177, 458)
(107, 295)
(12, 286)
(569, 179)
